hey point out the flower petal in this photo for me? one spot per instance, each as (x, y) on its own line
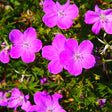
(55, 99)
(55, 67)
(72, 45)
(91, 17)
(74, 68)
(42, 100)
(72, 11)
(15, 35)
(36, 45)
(49, 52)
(50, 19)
(16, 51)
(64, 22)
(86, 46)
(96, 27)
(30, 34)
(88, 61)
(97, 9)
(65, 57)
(28, 56)
(59, 42)
(108, 27)
(49, 6)
(4, 56)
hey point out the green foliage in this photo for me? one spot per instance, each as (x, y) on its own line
(95, 83)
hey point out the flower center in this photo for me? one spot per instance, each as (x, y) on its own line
(20, 99)
(60, 13)
(1, 98)
(103, 18)
(25, 44)
(77, 56)
(49, 109)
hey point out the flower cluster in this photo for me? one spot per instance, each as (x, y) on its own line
(44, 102)
(25, 45)
(16, 99)
(67, 54)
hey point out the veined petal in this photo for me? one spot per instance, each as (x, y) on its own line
(107, 12)
(16, 51)
(91, 17)
(86, 46)
(59, 42)
(65, 57)
(55, 67)
(4, 56)
(97, 9)
(15, 35)
(42, 100)
(36, 45)
(55, 100)
(74, 68)
(108, 27)
(72, 11)
(87, 61)
(49, 6)
(27, 56)
(72, 45)
(49, 52)
(96, 27)
(64, 22)
(62, 7)
(50, 19)
(30, 34)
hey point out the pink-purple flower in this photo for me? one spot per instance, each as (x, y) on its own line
(76, 57)
(25, 45)
(3, 99)
(99, 19)
(46, 103)
(4, 55)
(52, 52)
(102, 102)
(18, 99)
(61, 15)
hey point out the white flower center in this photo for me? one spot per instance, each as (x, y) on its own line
(60, 13)
(77, 56)
(25, 44)
(49, 109)
(103, 18)
(20, 99)
(1, 98)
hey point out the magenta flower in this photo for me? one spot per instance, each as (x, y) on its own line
(4, 55)
(102, 102)
(3, 99)
(46, 103)
(25, 45)
(17, 99)
(76, 57)
(60, 15)
(51, 52)
(100, 19)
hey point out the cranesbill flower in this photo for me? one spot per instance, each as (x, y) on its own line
(4, 55)
(102, 102)
(60, 15)
(17, 99)
(3, 99)
(76, 57)
(46, 103)
(25, 45)
(51, 52)
(100, 19)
